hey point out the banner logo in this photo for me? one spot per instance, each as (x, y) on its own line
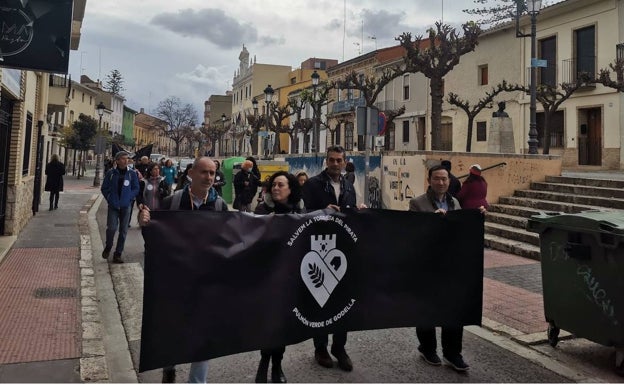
(323, 267)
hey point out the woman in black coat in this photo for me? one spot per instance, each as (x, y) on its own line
(284, 198)
(54, 181)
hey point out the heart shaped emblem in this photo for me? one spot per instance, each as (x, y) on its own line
(321, 270)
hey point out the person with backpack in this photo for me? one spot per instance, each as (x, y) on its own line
(198, 195)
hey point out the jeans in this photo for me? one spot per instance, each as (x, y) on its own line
(198, 373)
(117, 218)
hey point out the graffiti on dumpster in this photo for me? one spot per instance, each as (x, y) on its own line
(596, 294)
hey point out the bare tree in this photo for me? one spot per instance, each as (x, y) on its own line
(278, 115)
(215, 133)
(473, 111)
(604, 76)
(435, 57)
(178, 117)
(551, 98)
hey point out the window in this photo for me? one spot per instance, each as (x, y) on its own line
(27, 145)
(293, 80)
(390, 137)
(90, 100)
(548, 51)
(483, 75)
(556, 129)
(585, 60)
(349, 93)
(481, 132)
(83, 97)
(406, 88)
(349, 136)
(406, 129)
(73, 94)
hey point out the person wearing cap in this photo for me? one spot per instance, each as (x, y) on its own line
(120, 187)
(474, 190)
(454, 183)
(438, 199)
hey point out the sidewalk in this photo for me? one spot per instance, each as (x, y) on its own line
(50, 311)
(57, 306)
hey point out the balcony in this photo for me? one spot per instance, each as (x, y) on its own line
(347, 105)
(572, 68)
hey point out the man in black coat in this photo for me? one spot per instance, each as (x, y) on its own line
(330, 189)
(454, 183)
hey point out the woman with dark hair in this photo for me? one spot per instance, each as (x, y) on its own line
(285, 197)
(473, 190)
(153, 188)
(184, 179)
(254, 168)
(54, 182)
(302, 177)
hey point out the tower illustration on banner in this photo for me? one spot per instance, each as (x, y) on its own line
(323, 267)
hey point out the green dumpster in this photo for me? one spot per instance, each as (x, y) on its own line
(582, 260)
(230, 167)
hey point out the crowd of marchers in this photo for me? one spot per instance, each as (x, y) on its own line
(151, 187)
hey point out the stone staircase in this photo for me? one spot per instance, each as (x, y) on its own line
(505, 222)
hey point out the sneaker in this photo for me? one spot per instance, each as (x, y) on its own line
(105, 253)
(323, 358)
(457, 362)
(431, 358)
(344, 362)
(117, 258)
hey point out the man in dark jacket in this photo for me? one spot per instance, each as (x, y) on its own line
(454, 183)
(245, 186)
(54, 181)
(438, 199)
(120, 187)
(330, 189)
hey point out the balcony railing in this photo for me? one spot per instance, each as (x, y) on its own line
(572, 68)
(347, 105)
(58, 81)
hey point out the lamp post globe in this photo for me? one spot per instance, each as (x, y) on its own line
(98, 145)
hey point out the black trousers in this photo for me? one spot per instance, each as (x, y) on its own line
(451, 340)
(54, 198)
(276, 354)
(339, 340)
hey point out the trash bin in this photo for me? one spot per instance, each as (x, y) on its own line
(230, 167)
(582, 260)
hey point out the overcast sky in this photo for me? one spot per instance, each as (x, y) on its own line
(190, 48)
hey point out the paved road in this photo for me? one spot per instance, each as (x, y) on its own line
(379, 356)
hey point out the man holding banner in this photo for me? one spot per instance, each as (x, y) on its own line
(437, 199)
(199, 195)
(330, 189)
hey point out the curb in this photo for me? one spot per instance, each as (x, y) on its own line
(109, 360)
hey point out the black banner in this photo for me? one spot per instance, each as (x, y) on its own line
(35, 34)
(223, 283)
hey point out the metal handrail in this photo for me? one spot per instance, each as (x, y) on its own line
(485, 168)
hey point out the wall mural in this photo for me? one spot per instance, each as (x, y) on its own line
(402, 180)
(313, 165)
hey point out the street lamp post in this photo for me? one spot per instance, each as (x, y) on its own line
(268, 97)
(223, 119)
(533, 8)
(316, 140)
(98, 146)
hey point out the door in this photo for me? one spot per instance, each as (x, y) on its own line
(590, 137)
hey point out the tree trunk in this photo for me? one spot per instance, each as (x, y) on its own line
(436, 113)
(254, 143)
(469, 134)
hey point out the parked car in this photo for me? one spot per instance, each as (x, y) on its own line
(156, 157)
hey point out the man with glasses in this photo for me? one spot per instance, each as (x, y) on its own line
(437, 199)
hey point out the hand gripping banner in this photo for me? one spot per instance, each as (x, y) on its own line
(219, 283)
